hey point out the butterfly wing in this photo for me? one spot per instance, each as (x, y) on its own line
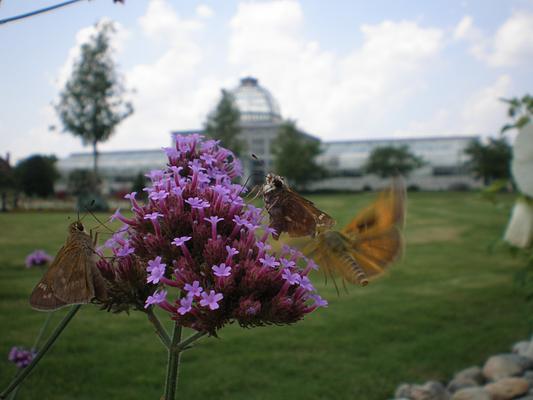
(294, 214)
(377, 251)
(100, 286)
(73, 282)
(69, 279)
(388, 210)
(42, 297)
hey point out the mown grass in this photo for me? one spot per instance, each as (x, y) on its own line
(448, 305)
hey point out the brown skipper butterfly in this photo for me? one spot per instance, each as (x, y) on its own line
(73, 277)
(289, 212)
(370, 243)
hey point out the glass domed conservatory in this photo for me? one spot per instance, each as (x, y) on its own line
(260, 119)
(255, 103)
(260, 122)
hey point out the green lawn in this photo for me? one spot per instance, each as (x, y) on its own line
(448, 305)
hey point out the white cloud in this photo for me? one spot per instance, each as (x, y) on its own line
(464, 28)
(204, 11)
(40, 139)
(171, 93)
(162, 22)
(442, 122)
(482, 113)
(513, 42)
(336, 95)
(511, 45)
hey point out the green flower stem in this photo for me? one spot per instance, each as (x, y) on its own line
(49, 342)
(174, 355)
(159, 329)
(42, 331)
(14, 393)
(193, 338)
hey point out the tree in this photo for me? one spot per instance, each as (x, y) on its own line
(83, 183)
(138, 185)
(520, 111)
(223, 123)
(392, 160)
(7, 181)
(489, 161)
(36, 175)
(91, 104)
(294, 155)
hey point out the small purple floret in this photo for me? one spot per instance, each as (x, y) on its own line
(221, 270)
(193, 290)
(211, 300)
(156, 269)
(269, 261)
(185, 305)
(153, 216)
(179, 241)
(156, 298)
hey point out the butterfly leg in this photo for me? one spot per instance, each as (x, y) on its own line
(334, 283)
(257, 191)
(95, 239)
(344, 286)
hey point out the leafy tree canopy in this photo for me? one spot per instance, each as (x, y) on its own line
(520, 111)
(295, 154)
(81, 181)
(223, 124)
(36, 175)
(388, 161)
(489, 161)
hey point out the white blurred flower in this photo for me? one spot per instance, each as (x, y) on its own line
(522, 164)
(519, 232)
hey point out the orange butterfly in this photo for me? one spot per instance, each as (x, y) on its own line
(370, 243)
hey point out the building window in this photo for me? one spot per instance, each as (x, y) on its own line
(446, 170)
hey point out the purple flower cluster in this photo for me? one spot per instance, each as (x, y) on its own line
(38, 258)
(205, 252)
(21, 357)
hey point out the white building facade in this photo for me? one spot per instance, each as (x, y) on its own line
(444, 167)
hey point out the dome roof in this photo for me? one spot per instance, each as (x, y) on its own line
(255, 103)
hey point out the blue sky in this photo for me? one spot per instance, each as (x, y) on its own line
(348, 70)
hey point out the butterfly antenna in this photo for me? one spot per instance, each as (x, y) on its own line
(87, 209)
(244, 185)
(100, 223)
